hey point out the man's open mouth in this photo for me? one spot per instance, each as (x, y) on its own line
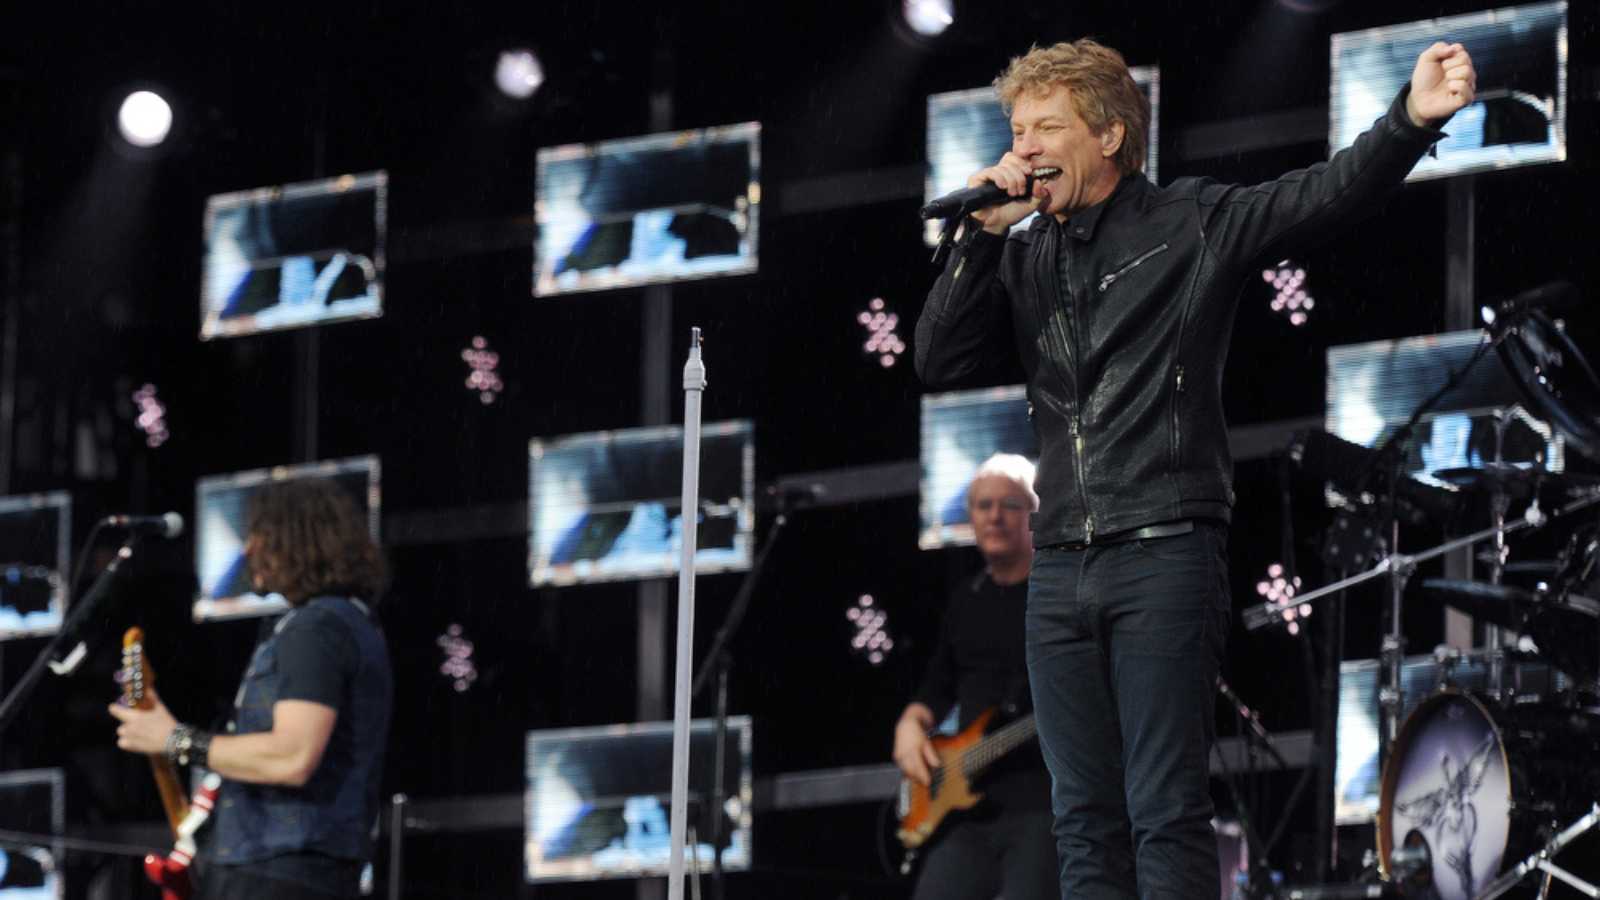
(1046, 173)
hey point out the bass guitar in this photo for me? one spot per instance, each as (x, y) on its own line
(965, 756)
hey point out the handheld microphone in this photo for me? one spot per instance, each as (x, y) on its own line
(959, 203)
(1557, 295)
(167, 525)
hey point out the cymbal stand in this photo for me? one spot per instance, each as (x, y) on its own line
(1539, 860)
(1264, 615)
(1499, 503)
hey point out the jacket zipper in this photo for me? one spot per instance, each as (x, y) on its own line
(1047, 321)
(1077, 390)
(1107, 280)
(1177, 399)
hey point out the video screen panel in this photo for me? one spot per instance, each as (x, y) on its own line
(1356, 773)
(960, 430)
(599, 800)
(968, 131)
(296, 255)
(1520, 115)
(35, 550)
(1374, 388)
(605, 506)
(646, 210)
(32, 804)
(222, 503)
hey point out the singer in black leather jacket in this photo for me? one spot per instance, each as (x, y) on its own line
(1121, 317)
(1118, 303)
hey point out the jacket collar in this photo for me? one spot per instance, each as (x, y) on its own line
(1082, 225)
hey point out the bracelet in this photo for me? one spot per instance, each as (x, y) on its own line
(179, 743)
(200, 749)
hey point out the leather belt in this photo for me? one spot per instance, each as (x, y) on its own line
(1147, 532)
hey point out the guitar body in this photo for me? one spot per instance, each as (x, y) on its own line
(923, 808)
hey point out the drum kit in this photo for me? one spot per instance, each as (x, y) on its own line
(1488, 779)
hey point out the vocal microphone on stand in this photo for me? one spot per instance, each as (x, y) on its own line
(167, 525)
(78, 630)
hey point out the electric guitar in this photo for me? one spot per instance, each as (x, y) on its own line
(169, 873)
(966, 756)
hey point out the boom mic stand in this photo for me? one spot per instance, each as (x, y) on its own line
(719, 661)
(75, 627)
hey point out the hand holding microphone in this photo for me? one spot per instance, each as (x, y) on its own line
(997, 197)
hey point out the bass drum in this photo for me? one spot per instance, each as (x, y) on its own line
(1481, 787)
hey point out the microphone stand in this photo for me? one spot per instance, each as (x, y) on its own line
(719, 661)
(694, 386)
(80, 613)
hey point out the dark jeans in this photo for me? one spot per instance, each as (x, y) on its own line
(1124, 645)
(1010, 854)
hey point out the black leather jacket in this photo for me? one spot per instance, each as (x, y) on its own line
(1122, 316)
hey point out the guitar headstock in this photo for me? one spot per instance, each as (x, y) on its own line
(136, 677)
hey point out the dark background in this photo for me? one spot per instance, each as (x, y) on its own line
(109, 280)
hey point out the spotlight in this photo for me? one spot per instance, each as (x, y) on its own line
(144, 119)
(518, 73)
(928, 18)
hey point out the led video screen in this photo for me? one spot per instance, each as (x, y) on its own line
(35, 535)
(605, 506)
(1374, 388)
(32, 811)
(1520, 114)
(968, 131)
(599, 800)
(295, 255)
(960, 430)
(222, 505)
(1356, 773)
(646, 210)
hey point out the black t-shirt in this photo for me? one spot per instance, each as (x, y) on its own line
(980, 663)
(317, 664)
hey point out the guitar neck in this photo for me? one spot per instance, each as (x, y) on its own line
(985, 752)
(173, 801)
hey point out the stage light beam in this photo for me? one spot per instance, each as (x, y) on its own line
(928, 18)
(144, 119)
(518, 74)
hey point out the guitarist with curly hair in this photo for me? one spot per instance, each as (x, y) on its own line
(302, 758)
(976, 806)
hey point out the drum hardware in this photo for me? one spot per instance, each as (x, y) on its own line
(1479, 786)
(1539, 861)
(1411, 864)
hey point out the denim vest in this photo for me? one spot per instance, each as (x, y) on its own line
(333, 813)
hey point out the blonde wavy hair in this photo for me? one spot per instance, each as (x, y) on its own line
(1102, 91)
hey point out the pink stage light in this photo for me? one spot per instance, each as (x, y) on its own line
(152, 416)
(458, 667)
(882, 341)
(1292, 298)
(871, 639)
(485, 363)
(1280, 590)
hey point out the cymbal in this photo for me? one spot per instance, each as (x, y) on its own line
(1503, 604)
(1513, 480)
(1566, 627)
